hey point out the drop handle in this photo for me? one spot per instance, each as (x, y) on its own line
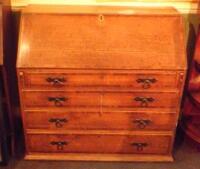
(146, 82)
(142, 123)
(59, 144)
(56, 80)
(59, 123)
(139, 146)
(144, 101)
(58, 101)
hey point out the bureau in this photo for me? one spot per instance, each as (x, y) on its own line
(100, 83)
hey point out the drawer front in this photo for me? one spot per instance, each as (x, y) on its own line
(96, 99)
(140, 100)
(100, 121)
(145, 81)
(61, 99)
(99, 143)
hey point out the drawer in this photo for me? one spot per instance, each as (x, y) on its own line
(100, 121)
(99, 143)
(136, 80)
(61, 99)
(51, 99)
(140, 100)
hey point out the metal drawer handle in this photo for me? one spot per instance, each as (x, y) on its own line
(146, 82)
(58, 122)
(139, 146)
(141, 124)
(144, 101)
(58, 101)
(59, 144)
(56, 80)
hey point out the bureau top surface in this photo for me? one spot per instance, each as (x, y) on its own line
(95, 38)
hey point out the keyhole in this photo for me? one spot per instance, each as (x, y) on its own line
(101, 18)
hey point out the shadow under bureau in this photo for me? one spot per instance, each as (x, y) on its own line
(100, 83)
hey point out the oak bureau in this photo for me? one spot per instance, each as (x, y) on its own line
(100, 83)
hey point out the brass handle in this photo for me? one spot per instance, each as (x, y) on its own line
(144, 101)
(139, 146)
(58, 122)
(58, 101)
(56, 80)
(59, 144)
(146, 82)
(141, 124)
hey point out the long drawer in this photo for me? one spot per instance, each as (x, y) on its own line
(99, 120)
(52, 99)
(99, 143)
(144, 81)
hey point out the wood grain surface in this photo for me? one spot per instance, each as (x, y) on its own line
(100, 80)
(101, 41)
